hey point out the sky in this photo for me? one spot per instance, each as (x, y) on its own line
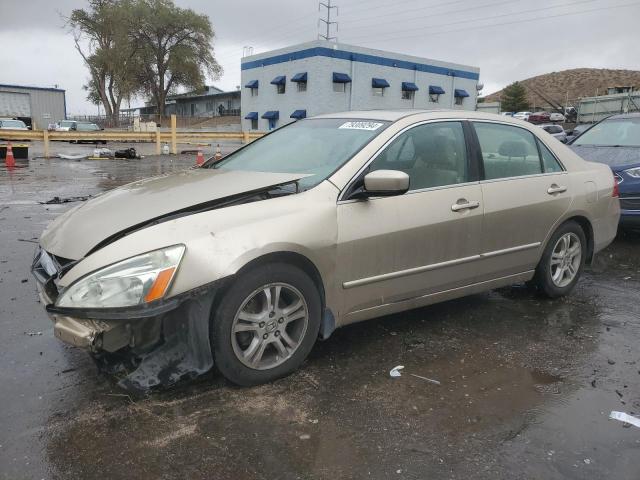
(508, 39)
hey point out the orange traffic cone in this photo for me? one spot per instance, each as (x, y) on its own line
(9, 158)
(218, 154)
(200, 157)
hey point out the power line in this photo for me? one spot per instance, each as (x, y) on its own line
(403, 11)
(511, 22)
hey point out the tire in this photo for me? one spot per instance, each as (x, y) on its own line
(233, 337)
(559, 269)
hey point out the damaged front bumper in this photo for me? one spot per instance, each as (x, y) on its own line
(147, 346)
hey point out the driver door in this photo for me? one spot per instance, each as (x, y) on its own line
(394, 249)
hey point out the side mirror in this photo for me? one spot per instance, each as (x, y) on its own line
(383, 183)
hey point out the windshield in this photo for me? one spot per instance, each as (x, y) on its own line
(316, 146)
(88, 127)
(66, 123)
(624, 132)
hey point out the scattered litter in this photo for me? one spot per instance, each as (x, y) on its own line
(127, 153)
(627, 278)
(625, 417)
(102, 153)
(395, 373)
(305, 436)
(314, 421)
(611, 362)
(619, 393)
(587, 461)
(79, 156)
(33, 334)
(24, 280)
(58, 200)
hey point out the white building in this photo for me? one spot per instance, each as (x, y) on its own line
(321, 77)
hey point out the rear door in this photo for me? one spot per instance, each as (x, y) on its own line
(392, 249)
(525, 191)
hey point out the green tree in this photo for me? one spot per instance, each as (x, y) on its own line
(514, 98)
(175, 48)
(101, 37)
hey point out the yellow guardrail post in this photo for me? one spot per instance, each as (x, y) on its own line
(158, 146)
(174, 141)
(45, 138)
(245, 137)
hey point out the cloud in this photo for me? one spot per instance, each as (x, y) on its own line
(39, 52)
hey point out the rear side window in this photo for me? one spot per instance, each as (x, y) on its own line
(507, 151)
(548, 160)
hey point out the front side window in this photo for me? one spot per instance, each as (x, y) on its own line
(507, 151)
(316, 147)
(433, 155)
(624, 132)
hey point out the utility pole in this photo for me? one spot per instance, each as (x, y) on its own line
(328, 21)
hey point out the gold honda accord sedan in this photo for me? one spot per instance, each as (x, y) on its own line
(243, 263)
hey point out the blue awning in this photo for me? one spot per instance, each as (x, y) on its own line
(299, 114)
(409, 87)
(341, 78)
(271, 115)
(435, 90)
(379, 83)
(460, 93)
(252, 84)
(251, 116)
(299, 77)
(279, 80)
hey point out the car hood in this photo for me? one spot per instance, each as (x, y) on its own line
(615, 157)
(135, 205)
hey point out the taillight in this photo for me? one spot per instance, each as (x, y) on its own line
(616, 189)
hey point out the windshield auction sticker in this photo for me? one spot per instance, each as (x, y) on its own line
(361, 125)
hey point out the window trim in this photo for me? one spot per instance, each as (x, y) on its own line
(481, 160)
(472, 166)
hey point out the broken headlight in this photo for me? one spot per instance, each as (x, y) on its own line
(135, 281)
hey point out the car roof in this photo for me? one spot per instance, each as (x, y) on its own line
(395, 115)
(624, 116)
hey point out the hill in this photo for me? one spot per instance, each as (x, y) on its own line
(577, 83)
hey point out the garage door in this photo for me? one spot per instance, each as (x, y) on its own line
(14, 104)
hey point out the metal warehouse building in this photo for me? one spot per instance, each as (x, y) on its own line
(321, 77)
(36, 106)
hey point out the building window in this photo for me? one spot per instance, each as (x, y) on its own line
(340, 81)
(280, 88)
(460, 95)
(339, 87)
(254, 92)
(377, 92)
(254, 124)
(377, 86)
(302, 86)
(459, 100)
(434, 97)
(408, 94)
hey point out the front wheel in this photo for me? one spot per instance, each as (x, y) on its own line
(266, 324)
(562, 261)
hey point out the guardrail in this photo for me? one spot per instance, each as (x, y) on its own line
(172, 137)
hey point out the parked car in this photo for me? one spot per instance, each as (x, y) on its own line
(577, 131)
(66, 126)
(88, 127)
(508, 114)
(540, 117)
(522, 115)
(555, 130)
(615, 141)
(327, 221)
(556, 117)
(12, 124)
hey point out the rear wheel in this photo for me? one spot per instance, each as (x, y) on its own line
(562, 261)
(266, 324)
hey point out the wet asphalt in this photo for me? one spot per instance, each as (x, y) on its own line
(526, 384)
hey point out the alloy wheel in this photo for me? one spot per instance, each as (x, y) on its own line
(565, 259)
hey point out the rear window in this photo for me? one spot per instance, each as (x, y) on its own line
(13, 124)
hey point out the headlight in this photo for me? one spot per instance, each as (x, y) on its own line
(131, 282)
(633, 172)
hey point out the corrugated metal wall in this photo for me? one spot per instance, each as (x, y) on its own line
(43, 105)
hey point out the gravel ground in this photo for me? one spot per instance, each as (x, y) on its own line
(527, 384)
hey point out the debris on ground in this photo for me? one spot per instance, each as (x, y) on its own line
(33, 334)
(626, 418)
(102, 153)
(395, 373)
(127, 153)
(78, 156)
(58, 200)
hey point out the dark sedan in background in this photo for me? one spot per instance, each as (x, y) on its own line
(615, 141)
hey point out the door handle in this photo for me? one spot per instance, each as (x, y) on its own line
(463, 204)
(556, 189)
